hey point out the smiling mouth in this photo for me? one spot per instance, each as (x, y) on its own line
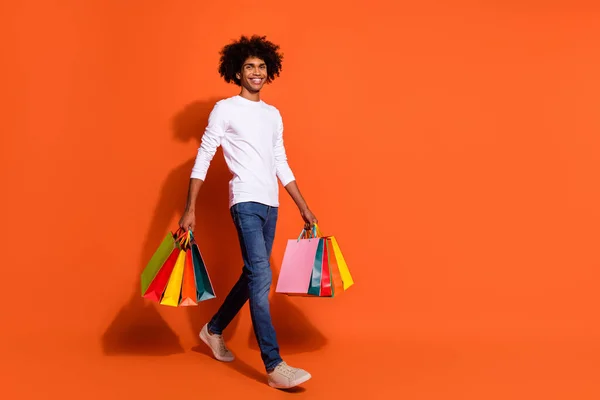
(256, 81)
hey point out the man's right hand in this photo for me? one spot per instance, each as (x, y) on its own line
(188, 221)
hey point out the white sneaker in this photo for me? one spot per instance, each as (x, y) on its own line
(285, 377)
(216, 344)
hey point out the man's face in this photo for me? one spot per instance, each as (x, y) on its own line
(253, 74)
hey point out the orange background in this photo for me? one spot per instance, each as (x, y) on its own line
(450, 146)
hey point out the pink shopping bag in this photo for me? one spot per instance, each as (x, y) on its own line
(297, 265)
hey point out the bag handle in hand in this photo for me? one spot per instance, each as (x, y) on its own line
(313, 233)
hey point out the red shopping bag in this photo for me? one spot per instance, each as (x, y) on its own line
(326, 290)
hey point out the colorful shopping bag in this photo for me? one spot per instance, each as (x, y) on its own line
(326, 289)
(172, 292)
(336, 279)
(297, 265)
(313, 266)
(188, 288)
(155, 276)
(345, 275)
(204, 287)
(157, 260)
(314, 288)
(342, 267)
(160, 281)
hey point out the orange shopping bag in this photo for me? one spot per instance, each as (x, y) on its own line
(188, 291)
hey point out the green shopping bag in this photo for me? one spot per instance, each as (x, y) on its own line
(158, 259)
(315, 278)
(204, 288)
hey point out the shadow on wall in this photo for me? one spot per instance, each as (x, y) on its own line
(139, 328)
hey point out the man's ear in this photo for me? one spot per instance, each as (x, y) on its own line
(238, 76)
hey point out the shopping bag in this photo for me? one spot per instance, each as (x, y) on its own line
(326, 289)
(204, 287)
(172, 292)
(334, 274)
(313, 266)
(188, 288)
(345, 275)
(336, 279)
(314, 288)
(157, 260)
(342, 267)
(297, 265)
(160, 281)
(321, 274)
(161, 273)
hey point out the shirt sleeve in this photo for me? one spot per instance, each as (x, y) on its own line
(284, 172)
(211, 140)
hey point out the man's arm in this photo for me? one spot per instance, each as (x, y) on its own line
(188, 219)
(307, 215)
(211, 140)
(288, 180)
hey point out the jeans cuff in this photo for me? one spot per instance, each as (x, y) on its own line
(211, 329)
(273, 364)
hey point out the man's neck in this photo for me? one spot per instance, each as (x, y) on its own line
(252, 96)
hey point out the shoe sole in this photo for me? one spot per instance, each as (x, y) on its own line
(294, 384)
(205, 340)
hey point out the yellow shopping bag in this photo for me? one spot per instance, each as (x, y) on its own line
(172, 294)
(341, 263)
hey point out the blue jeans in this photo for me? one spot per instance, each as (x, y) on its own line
(255, 224)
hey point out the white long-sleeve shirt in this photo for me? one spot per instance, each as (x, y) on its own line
(251, 135)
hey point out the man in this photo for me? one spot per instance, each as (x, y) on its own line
(251, 135)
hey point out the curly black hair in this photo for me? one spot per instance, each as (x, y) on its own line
(234, 54)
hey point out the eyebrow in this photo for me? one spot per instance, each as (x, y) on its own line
(253, 64)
